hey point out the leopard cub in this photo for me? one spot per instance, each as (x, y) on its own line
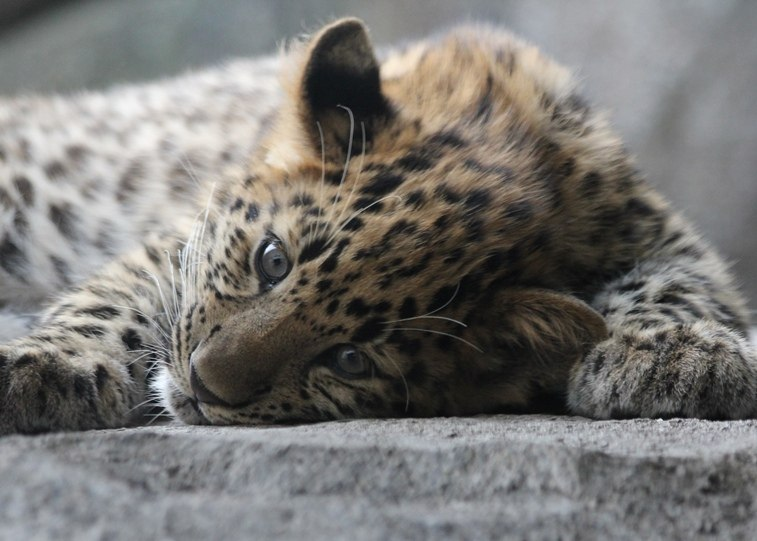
(323, 236)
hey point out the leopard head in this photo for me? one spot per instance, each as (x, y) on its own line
(360, 265)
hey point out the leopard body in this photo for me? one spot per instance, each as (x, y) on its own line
(450, 232)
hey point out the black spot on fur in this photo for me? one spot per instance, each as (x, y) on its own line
(101, 377)
(442, 296)
(330, 263)
(354, 224)
(253, 212)
(591, 184)
(302, 200)
(20, 223)
(484, 107)
(76, 153)
(25, 360)
(519, 211)
(90, 331)
(131, 340)
(638, 207)
(357, 307)
(332, 307)
(448, 139)
(25, 189)
(477, 200)
(383, 184)
(504, 174)
(12, 259)
(447, 194)
(61, 268)
(415, 198)
(368, 204)
(55, 169)
(313, 249)
(129, 181)
(369, 330)
(415, 161)
(323, 285)
(101, 312)
(82, 387)
(153, 255)
(64, 219)
(409, 308)
(237, 205)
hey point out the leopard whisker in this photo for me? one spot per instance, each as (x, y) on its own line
(354, 185)
(345, 170)
(313, 230)
(404, 382)
(158, 327)
(443, 318)
(360, 211)
(463, 340)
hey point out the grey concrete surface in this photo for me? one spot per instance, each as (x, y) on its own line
(500, 477)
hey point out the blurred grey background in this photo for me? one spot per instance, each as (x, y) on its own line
(679, 76)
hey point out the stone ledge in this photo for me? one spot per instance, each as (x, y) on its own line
(533, 477)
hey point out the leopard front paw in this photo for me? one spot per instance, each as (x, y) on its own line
(701, 370)
(45, 388)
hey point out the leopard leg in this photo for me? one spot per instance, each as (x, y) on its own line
(677, 345)
(89, 361)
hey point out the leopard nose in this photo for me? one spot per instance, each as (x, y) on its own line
(202, 393)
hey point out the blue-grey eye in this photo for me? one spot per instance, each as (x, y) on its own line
(349, 361)
(272, 262)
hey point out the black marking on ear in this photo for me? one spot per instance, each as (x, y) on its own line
(342, 70)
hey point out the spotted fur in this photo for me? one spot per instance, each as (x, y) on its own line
(450, 232)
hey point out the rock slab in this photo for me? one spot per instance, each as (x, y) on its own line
(493, 477)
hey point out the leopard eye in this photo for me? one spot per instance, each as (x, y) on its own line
(350, 362)
(272, 262)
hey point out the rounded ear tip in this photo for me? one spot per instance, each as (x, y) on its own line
(346, 23)
(343, 29)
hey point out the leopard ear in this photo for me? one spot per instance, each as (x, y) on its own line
(335, 87)
(550, 327)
